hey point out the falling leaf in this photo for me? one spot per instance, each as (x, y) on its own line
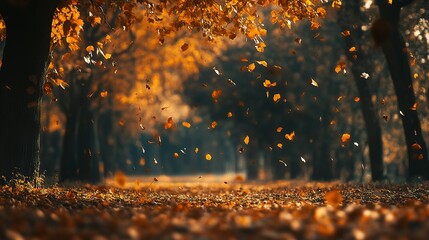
(352, 49)
(169, 124)
(276, 97)
(216, 94)
(280, 145)
(357, 99)
(230, 81)
(314, 83)
(103, 94)
(298, 40)
(345, 33)
(364, 75)
(213, 124)
(208, 157)
(176, 155)
(414, 107)
(334, 198)
(279, 129)
(340, 66)
(267, 83)
(303, 160)
(107, 56)
(229, 114)
(184, 47)
(216, 71)
(290, 136)
(416, 146)
(186, 124)
(89, 49)
(263, 63)
(246, 140)
(345, 138)
(251, 67)
(416, 75)
(120, 178)
(142, 161)
(260, 47)
(196, 150)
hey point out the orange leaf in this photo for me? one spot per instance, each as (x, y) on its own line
(251, 67)
(186, 124)
(120, 178)
(334, 198)
(208, 157)
(246, 140)
(276, 97)
(104, 94)
(169, 124)
(345, 138)
(290, 136)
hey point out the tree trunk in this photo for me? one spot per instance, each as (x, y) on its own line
(28, 32)
(69, 166)
(386, 33)
(252, 163)
(349, 16)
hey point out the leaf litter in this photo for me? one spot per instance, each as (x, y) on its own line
(231, 210)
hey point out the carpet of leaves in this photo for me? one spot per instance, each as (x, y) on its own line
(239, 210)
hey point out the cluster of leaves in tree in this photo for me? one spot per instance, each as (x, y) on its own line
(201, 210)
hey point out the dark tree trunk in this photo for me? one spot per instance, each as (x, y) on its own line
(28, 30)
(386, 33)
(80, 160)
(349, 19)
(69, 165)
(252, 163)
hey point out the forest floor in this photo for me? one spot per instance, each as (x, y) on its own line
(210, 210)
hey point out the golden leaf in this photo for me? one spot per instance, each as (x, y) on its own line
(208, 157)
(263, 63)
(169, 124)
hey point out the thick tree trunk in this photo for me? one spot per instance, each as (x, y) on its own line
(28, 29)
(349, 16)
(386, 33)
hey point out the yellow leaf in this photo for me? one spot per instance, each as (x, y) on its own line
(107, 56)
(314, 83)
(208, 157)
(276, 97)
(263, 63)
(196, 150)
(186, 124)
(260, 47)
(279, 145)
(246, 140)
(290, 136)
